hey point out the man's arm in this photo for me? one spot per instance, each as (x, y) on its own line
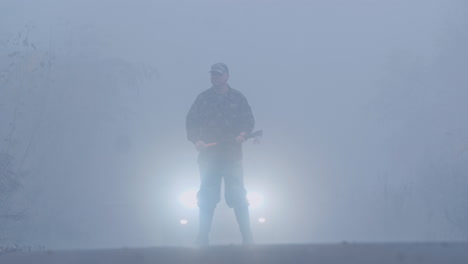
(193, 122)
(247, 120)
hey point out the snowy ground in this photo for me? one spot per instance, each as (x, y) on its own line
(381, 253)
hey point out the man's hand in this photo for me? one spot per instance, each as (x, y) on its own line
(240, 138)
(200, 145)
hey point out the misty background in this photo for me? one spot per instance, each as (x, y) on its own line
(363, 106)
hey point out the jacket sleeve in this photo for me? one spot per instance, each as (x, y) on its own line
(193, 121)
(247, 123)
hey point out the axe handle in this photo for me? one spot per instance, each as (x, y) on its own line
(257, 133)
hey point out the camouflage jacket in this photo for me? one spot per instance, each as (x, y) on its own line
(216, 117)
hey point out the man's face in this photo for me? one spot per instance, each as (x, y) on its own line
(219, 79)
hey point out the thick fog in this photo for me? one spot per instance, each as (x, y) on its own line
(363, 106)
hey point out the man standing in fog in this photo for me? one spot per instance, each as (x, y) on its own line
(217, 124)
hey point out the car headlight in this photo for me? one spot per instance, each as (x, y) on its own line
(189, 199)
(255, 199)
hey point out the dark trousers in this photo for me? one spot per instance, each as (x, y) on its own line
(213, 169)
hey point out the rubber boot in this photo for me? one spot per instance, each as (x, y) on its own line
(205, 220)
(243, 220)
